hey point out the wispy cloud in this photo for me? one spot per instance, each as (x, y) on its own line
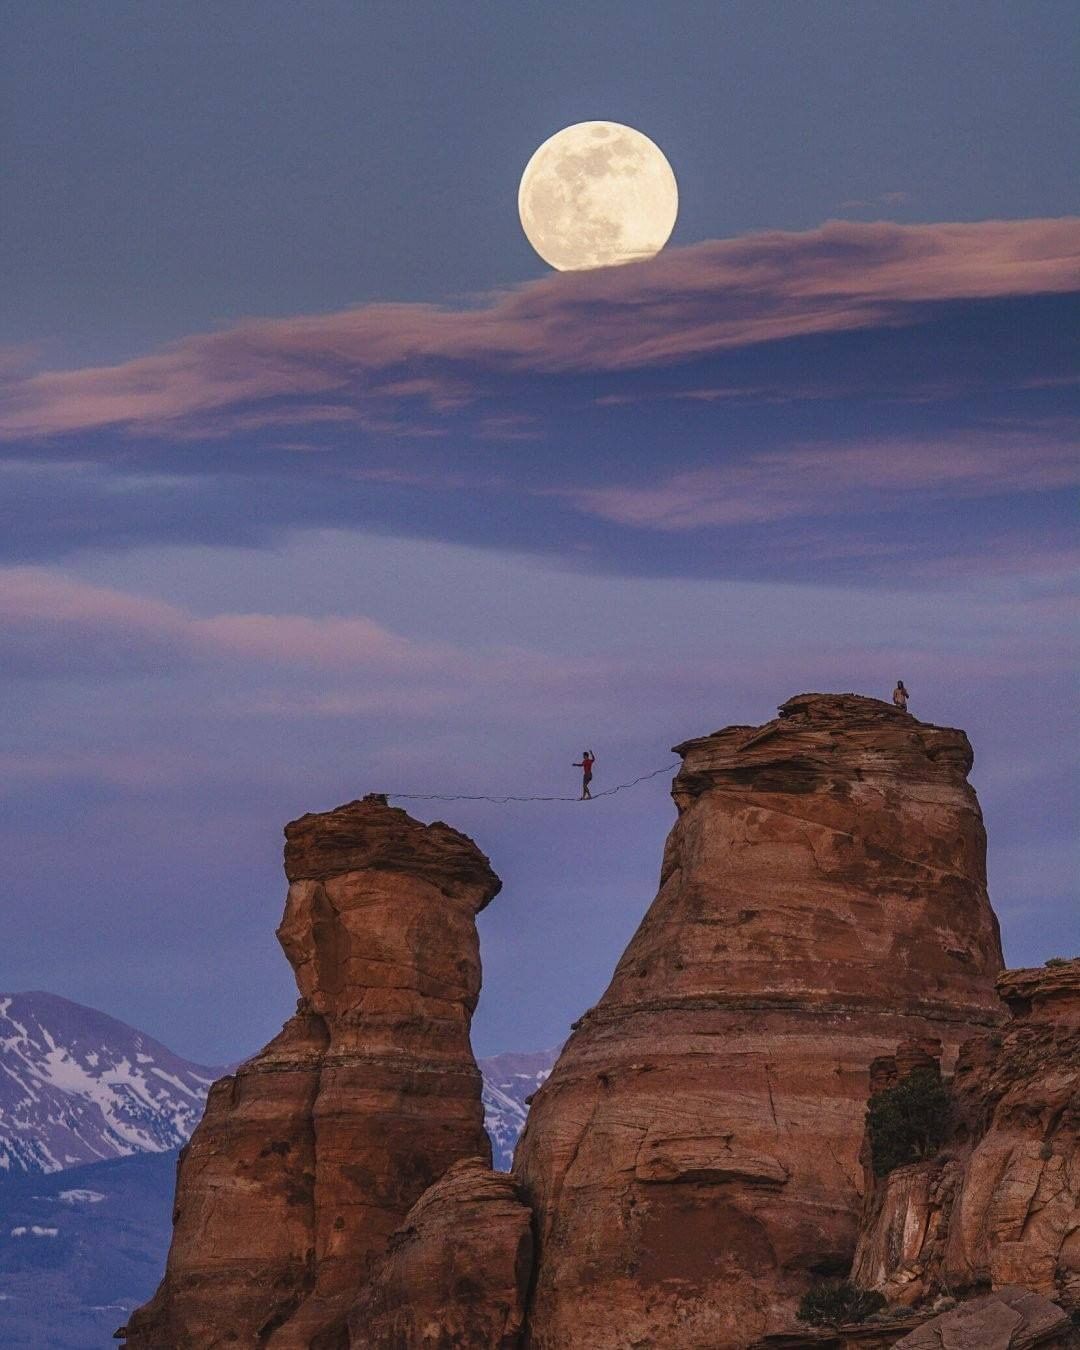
(56, 625)
(831, 480)
(875, 203)
(372, 360)
(52, 622)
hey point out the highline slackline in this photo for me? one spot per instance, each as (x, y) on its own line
(465, 797)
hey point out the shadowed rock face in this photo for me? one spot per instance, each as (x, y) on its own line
(311, 1155)
(693, 1160)
(1000, 1205)
(458, 1269)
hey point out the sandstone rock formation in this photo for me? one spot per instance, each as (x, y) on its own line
(693, 1158)
(1000, 1206)
(458, 1270)
(313, 1153)
(1011, 1319)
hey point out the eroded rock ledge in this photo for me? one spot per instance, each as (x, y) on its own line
(1000, 1205)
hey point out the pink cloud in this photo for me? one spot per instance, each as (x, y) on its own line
(53, 624)
(34, 595)
(51, 614)
(831, 480)
(685, 303)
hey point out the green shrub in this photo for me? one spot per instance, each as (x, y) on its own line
(909, 1121)
(1056, 961)
(831, 1305)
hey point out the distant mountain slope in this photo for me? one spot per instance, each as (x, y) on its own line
(508, 1080)
(77, 1086)
(80, 1249)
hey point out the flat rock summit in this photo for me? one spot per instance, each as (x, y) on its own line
(697, 1159)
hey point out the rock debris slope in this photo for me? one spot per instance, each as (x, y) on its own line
(693, 1160)
(313, 1153)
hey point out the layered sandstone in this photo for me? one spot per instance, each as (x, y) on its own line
(1000, 1205)
(693, 1160)
(457, 1272)
(312, 1154)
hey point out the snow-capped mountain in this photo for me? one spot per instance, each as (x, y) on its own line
(508, 1080)
(77, 1086)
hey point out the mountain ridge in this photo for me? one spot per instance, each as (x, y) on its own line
(79, 1086)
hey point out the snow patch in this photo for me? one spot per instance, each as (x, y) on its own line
(77, 1197)
(176, 1082)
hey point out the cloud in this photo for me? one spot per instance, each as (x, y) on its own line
(833, 480)
(872, 203)
(54, 624)
(371, 361)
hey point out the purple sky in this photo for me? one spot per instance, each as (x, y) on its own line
(314, 481)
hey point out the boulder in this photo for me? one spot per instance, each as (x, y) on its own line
(1010, 1319)
(457, 1273)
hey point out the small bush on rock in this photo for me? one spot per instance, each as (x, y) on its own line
(909, 1121)
(832, 1305)
(1056, 961)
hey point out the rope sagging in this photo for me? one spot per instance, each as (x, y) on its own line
(465, 797)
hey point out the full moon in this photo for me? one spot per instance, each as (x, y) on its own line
(596, 194)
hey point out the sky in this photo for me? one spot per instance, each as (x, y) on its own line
(315, 480)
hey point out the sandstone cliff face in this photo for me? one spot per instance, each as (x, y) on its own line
(311, 1155)
(693, 1158)
(1000, 1205)
(458, 1270)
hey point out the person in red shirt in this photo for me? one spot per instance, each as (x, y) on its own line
(585, 763)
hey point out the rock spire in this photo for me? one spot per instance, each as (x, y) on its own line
(693, 1160)
(312, 1154)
